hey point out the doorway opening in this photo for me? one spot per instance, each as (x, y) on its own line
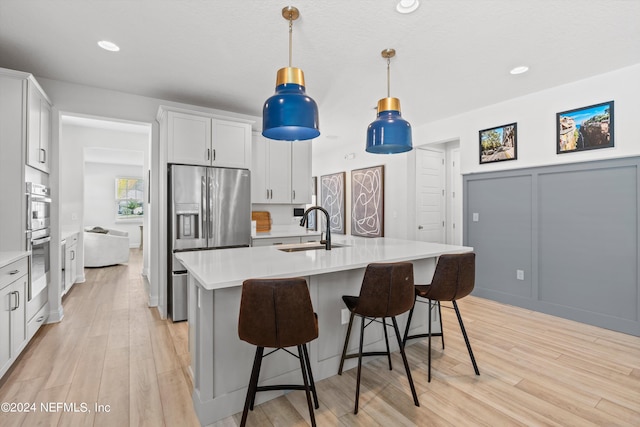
(94, 154)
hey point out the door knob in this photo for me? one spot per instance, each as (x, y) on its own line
(420, 227)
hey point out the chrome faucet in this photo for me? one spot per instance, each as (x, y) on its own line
(303, 222)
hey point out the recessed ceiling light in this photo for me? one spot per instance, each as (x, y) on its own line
(407, 6)
(107, 45)
(519, 70)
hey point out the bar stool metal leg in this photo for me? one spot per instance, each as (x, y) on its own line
(406, 329)
(406, 363)
(386, 340)
(253, 384)
(346, 343)
(313, 384)
(466, 339)
(355, 411)
(441, 329)
(307, 388)
(429, 357)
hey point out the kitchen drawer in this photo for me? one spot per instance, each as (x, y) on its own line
(13, 271)
(37, 302)
(38, 320)
(270, 241)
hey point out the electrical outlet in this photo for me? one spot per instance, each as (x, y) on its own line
(74, 216)
(520, 274)
(476, 217)
(344, 314)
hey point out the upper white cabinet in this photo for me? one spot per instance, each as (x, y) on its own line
(281, 171)
(199, 139)
(25, 127)
(39, 128)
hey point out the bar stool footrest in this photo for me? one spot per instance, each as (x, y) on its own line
(370, 353)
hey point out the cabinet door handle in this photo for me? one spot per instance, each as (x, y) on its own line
(267, 193)
(214, 154)
(44, 155)
(294, 194)
(73, 255)
(12, 272)
(208, 153)
(271, 194)
(17, 294)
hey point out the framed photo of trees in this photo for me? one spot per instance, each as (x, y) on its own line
(499, 143)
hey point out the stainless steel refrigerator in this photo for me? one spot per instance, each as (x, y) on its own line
(209, 208)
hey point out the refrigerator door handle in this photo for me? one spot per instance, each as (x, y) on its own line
(210, 198)
(203, 206)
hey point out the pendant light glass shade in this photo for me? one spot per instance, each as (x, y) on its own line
(389, 133)
(290, 114)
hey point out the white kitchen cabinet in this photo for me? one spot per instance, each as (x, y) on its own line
(38, 127)
(18, 126)
(200, 139)
(281, 171)
(70, 262)
(301, 181)
(14, 279)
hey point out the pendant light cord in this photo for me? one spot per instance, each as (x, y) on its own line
(290, 37)
(388, 77)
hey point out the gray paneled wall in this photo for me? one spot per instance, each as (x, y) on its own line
(572, 230)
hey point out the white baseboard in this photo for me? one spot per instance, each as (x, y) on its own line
(56, 316)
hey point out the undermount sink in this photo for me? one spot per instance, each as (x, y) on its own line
(311, 246)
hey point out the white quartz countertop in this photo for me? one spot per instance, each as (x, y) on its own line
(224, 268)
(7, 257)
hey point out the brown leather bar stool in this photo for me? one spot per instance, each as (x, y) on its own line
(277, 313)
(453, 279)
(387, 290)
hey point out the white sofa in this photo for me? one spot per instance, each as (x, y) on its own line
(105, 248)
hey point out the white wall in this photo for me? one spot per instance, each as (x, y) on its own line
(397, 195)
(99, 197)
(536, 118)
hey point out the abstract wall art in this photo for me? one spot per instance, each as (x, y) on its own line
(367, 202)
(332, 199)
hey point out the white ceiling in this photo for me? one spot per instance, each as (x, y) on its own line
(452, 55)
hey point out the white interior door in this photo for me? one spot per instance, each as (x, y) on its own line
(456, 199)
(430, 185)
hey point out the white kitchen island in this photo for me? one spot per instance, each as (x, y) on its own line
(221, 363)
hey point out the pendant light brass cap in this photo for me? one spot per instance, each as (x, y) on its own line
(290, 13)
(388, 104)
(290, 75)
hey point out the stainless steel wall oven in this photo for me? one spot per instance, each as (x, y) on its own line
(38, 237)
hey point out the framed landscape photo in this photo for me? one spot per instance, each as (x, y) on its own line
(499, 143)
(585, 128)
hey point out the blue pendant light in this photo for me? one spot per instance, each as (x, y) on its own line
(290, 114)
(389, 133)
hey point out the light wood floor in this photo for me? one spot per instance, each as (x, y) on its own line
(111, 349)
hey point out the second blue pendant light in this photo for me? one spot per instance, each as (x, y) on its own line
(389, 133)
